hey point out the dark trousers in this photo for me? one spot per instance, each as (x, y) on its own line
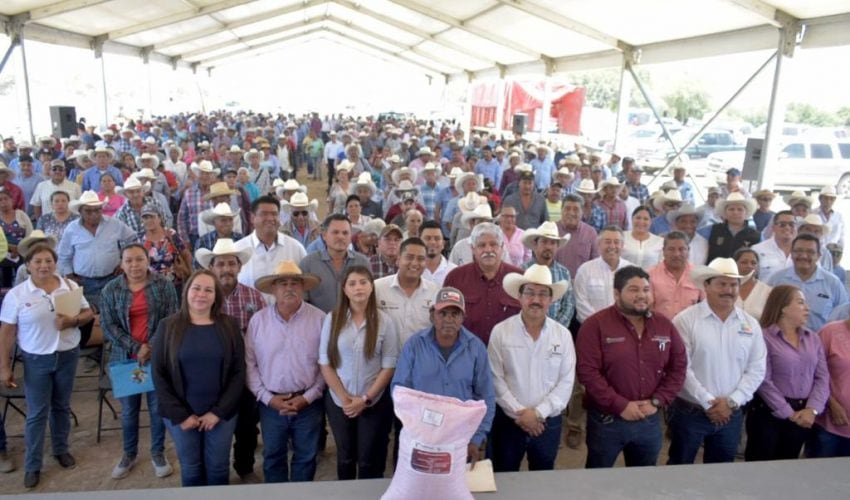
(690, 429)
(511, 443)
(771, 438)
(824, 444)
(608, 435)
(245, 435)
(331, 171)
(361, 442)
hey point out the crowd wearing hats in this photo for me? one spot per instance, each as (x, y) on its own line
(544, 280)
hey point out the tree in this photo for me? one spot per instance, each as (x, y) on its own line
(807, 114)
(843, 115)
(689, 100)
(603, 86)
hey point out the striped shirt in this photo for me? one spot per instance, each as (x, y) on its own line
(242, 303)
(190, 208)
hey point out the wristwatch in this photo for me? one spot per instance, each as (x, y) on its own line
(733, 405)
(815, 412)
(367, 400)
(655, 402)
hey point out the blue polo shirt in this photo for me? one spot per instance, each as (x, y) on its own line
(465, 375)
(822, 290)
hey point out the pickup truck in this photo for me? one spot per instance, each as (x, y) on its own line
(710, 141)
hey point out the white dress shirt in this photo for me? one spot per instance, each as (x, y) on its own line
(411, 314)
(725, 358)
(530, 373)
(439, 276)
(698, 250)
(771, 258)
(264, 260)
(835, 233)
(644, 254)
(594, 286)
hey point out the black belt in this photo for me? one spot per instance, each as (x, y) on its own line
(687, 404)
(289, 395)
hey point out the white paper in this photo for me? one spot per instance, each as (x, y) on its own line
(481, 478)
(69, 303)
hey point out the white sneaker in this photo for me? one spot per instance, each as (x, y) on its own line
(161, 467)
(122, 468)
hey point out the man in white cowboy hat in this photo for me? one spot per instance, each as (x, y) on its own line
(533, 364)
(687, 219)
(423, 156)
(79, 164)
(822, 289)
(685, 187)
(775, 252)
(835, 219)
(366, 190)
(40, 200)
(90, 249)
(151, 179)
(355, 156)
(221, 192)
(709, 214)
(147, 165)
(240, 302)
(632, 363)
(724, 238)
(300, 225)
(594, 280)
(612, 205)
(234, 158)
(544, 242)
(259, 175)
(727, 363)
(672, 286)
(223, 220)
(429, 189)
(663, 203)
(193, 202)
(448, 360)
(130, 212)
(124, 143)
(592, 213)
(221, 139)
(102, 157)
(529, 204)
(174, 164)
(402, 192)
(480, 281)
(814, 225)
(268, 244)
(282, 363)
(462, 249)
(543, 166)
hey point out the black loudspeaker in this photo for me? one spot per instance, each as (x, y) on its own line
(63, 120)
(520, 123)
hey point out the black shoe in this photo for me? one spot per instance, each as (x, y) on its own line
(65, 460)
(31, 479)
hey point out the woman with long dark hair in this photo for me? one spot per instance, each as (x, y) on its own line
(796, 384)
(199, 373)
(357, 355)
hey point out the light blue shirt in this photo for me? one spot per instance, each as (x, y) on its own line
(93, 256)
(92, 175)
(466, 375)
(356, 372)
(16, 166)
(822, 290)
(490, 169)
(840, 313)
(660, 226)
(543, 171)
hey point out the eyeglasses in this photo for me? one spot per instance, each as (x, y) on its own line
(300, 213)
(50, 306)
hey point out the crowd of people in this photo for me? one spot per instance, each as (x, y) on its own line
(547, 281)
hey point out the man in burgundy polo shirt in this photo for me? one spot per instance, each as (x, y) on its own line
(582, 244)
(632, 363)
(487, 303)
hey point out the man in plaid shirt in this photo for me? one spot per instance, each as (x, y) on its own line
(193, 202)
(385, 260)
(428, 190)
(241, 302)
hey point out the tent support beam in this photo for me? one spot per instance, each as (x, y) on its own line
(623, 99)
(12, 44)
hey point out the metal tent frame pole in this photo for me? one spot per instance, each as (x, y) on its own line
(12, 44)
(623, 99)
(20, 36)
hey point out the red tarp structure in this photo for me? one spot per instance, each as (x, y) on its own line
(527, 97)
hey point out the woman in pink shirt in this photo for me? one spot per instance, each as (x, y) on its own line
(831, 433)
(107, 193)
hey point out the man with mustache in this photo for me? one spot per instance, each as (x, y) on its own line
(727, 363)
(632, 363)
(823, 291)
(480, 281)
(672, 286)
(240, 302)
(581, 246)
(544, 242)
(533, 364)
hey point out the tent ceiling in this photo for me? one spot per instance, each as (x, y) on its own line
(473, 38)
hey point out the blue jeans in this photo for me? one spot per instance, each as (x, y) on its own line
(303, 429)
(608, 435)
(511, 443)
(204, 456)
(93, 286)
(690, 428)
(824, 444)
(130, 407)
(48, 382)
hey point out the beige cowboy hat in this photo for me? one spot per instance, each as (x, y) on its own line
(131, 183)
(145, 174)
(35, 237)
(454, 172)
(88, 199)
(424, 150)
(299, 200)
(586, 187)
(344, 166)
(147, 157)
(673, 215)
(548, 230)
(236, 149)
(828, 191)
(482, 212)
(535, 275)
(253, 152)
(365, 180)
(736, 199)
(394, 159)
(205, 166)
(563, 171)
(102, 149)
(405, 186)
(431, 166)
(172, 147)
(286, 269)
(798, 197)
(720, 266)
(670, 196)
(815, 220)
(397, 173)
(764, 193)
(470, 201)
(288, 185)
(461, 179)
(611, 181)
(223, 246)
(219, 189)
(220, 210)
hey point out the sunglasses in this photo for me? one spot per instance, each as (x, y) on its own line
(300, 213)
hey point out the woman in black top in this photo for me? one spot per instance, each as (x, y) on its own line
(199, 373)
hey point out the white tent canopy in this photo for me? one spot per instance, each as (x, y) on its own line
(468, 39)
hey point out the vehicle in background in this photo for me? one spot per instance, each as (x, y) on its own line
(803, 164)
(710, 141)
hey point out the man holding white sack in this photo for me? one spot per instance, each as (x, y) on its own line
(533, 363)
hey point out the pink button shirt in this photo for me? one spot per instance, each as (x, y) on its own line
(672, 296)
(835, 337)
